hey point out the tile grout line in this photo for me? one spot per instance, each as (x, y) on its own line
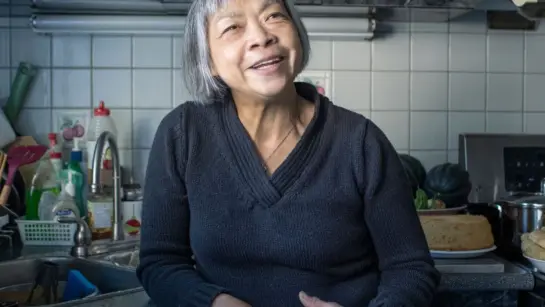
(133, 152)
(10, 38)
(486, 85)
(448, 92)
(353, 109)
(172, 85)
(92, 78)
(524, 80)
(52, 127)
(306, 70)
(410, 97)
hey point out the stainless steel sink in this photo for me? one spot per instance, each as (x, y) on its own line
(107, 247)
(108, 278)
(128, 259)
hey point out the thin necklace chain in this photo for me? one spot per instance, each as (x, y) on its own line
(278, 146)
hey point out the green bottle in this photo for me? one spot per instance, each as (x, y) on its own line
(76, 158)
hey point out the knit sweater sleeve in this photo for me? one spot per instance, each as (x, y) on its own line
(408, 277)
(166, 267)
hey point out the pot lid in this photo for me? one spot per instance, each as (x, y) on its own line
(533, 201)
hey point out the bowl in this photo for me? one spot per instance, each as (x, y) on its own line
(538, 264)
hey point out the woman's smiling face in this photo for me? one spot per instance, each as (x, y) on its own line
(254, 47)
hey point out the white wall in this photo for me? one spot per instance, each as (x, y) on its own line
(423, 84)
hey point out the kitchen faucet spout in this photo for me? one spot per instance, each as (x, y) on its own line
(108, 138)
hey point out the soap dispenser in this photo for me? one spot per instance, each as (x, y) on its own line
(66, 204)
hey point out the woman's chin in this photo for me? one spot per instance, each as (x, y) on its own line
(271, 88)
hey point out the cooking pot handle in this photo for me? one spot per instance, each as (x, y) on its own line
(500, 218)
(499, 208)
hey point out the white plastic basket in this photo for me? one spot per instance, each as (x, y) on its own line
(46, 232)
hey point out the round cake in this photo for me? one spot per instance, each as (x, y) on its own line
(457, 232)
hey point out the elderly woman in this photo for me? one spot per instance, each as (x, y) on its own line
(264, 193)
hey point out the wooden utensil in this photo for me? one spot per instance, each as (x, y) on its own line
(3, 162)
(18, 156)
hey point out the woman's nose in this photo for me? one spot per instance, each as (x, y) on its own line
(259, 36)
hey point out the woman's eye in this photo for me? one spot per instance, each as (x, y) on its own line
(276, 16)
(230, 28)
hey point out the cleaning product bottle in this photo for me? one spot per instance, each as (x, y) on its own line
(55, 153)
(66, 204)
(101, 121)
(74, 166)
(45, 182)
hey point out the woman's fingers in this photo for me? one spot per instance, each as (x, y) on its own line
(312, 301)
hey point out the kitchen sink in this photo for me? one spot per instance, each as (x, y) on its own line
(108, 278)
(128, 259)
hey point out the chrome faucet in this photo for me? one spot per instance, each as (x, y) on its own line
(82, 236)
(107, 137)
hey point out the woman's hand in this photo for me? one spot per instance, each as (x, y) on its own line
(226, 300)
(311, 301)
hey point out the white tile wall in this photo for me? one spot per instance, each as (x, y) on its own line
(423, 84)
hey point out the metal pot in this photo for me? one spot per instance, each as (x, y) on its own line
(520, 215)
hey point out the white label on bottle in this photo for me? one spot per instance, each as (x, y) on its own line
(65, 213)
(102, 215)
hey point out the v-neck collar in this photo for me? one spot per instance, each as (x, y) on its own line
(270, 189)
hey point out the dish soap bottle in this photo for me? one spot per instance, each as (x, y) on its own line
(66, 204)
(45, 184)
(74, 166)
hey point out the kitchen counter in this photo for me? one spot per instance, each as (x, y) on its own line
(515, 278)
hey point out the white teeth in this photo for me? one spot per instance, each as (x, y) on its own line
(273, 61)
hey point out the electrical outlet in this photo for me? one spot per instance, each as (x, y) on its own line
(320, 79)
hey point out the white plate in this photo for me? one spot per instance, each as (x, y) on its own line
(461, 254)
(446, 211)
(538, 264)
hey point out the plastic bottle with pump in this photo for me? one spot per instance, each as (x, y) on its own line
(45, 184)
(66, 204)
(74, 166)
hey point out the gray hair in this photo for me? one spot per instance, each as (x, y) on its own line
(196, 61)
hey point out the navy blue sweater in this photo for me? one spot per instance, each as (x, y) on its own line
(336, 219)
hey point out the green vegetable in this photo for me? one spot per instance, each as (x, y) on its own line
(421, 200)
(415, 171)
(450, 183)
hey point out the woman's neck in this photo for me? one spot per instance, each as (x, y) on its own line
(269, 120)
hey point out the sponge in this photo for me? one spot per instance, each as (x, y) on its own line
(77, 287)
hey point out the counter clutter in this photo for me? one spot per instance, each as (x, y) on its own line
(462, 244)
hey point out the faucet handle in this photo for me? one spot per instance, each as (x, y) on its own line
(82, 236)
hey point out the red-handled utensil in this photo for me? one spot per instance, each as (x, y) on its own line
(19, 156)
